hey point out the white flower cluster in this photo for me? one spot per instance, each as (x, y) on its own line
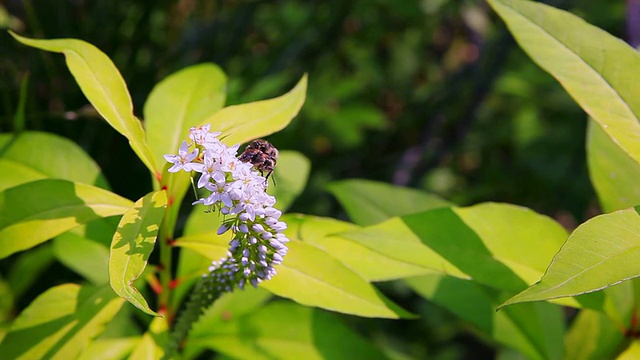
(237, 191)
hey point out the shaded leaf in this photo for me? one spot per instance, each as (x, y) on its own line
(535, 330)
(60, 323)
(288, 331)
(84, 256)
(180, 101)
(34, 212)
(132, 244)
(245, 122)
(103, 86)
(599, 253)
(614, 174)
(592, 65)
(370, 202)
(593, 336)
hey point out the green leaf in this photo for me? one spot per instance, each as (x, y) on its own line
(109, 349)
(308, 275)
(34, 212)
(180, 101)
(593, 336)
(599, 253)
(152, 344)
(132, 244)
(312, 277)
(103, 86)
(29, 267)
(283, 330)
(32, 155)
(370, 202)
(84, 256)
(60, 323)
(535, 329)
(592, 65)
(241, 123)
(290, 176)
(614, 174)
(631, 353)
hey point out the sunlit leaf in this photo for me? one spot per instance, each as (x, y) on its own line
(632, 352)
(309, 276)
(152, 344)
(109, 349)
(244, 122)
(370, 202)
(180, 101)
(592, 65)
(312, 277)
(34, 212)
(60, 323)
(287, 331)
(132, 244)
(613, 173)
(103, 86)
(32, 155)
(533, 329)
(599, 253)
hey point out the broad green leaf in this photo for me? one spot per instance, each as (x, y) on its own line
(290, 178)
(132, 244)
(535, 330)
(593, 336)
(152, 344)
(229, 307)
(60, 323)
(614, 174)
(32, 155)
(370, 202)
(499, 245)
(283, 330)
(103, 86)
(631, 353)
(599, 253)
(342, 241)
(244, 122)
(84, 256)
(180, 101)
(309, 276)
(312, 277)
(34, 212)
(109, 349)
(592, 65)
(29, 267)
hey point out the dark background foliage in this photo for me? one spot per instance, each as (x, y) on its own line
(432, 94)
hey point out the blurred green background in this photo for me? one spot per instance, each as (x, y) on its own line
(432, 94)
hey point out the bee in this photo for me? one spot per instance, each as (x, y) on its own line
(262, 155)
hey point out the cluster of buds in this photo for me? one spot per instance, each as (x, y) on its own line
(238, 191)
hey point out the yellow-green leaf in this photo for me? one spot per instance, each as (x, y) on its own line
(132, 244)
(34, 212)
(182, 100)
(594, 67)
(60, 323)
(599, 253)
(103, 86)
(244, 122)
